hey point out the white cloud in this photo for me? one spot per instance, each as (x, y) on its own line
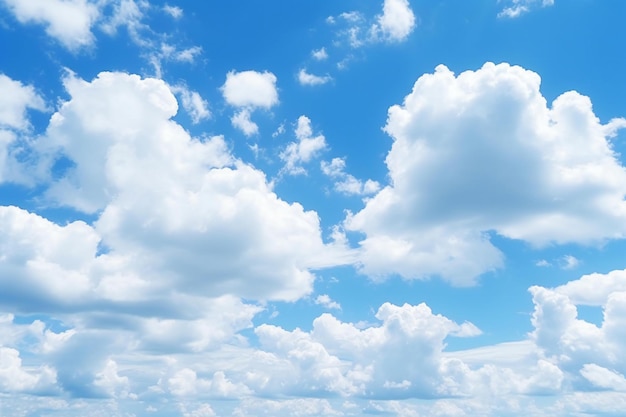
(15, 378)
(250, 89)
(568, 262)
(174, 11)
(128, 13)
(15, 100)
(111, 382)
(320, 54)
(170, 207)
(603, 378)
(305, 78)
(186, 383)
(396, 22)
(68, 21)
(346, 183)
(304, 150)
(241, 120)
(594, 289)
(324, 300)
(193, 103)
(453, 139)
(519, 7)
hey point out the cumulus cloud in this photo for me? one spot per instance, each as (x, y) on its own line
(304, 150)
(177, 209)
(248, 91)
(15, 378)
(242, 121)
(325, 301)
(396, 22)
(16, 99)
(454, 137)
(305, 78)
(520, 7)
(594, 289)
(68, 21)
(15, 102)
(346, 183)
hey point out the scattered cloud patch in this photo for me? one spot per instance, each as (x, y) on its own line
(320, 54)
(174, 11)
(568, 262)
(346, 183)
(193, 103)
(310, 79)
(15, 101)
(304, 150)
(520, 7)
(241, 120)
(248, 91)
(325, 301)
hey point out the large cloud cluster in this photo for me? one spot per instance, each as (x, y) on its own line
(481, 153)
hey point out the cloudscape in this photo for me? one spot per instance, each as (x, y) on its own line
(312, 208)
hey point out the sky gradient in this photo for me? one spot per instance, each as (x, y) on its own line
(315, 208)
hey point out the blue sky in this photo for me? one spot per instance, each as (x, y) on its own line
(329, 208)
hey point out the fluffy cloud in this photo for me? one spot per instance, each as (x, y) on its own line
(594, 289)
(319, 54)
(574, 344)
(14, 378)
(305, 78)
(249, 90)
(483, 153)
(304, 150)
(15, 101)
(338, 357)
(346, 183)
(179, 210)
(325, 301)
(193, 103)
(68, 21)
(396, 22)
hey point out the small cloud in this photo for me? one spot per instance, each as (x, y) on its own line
(320, 54)
(325, 301)
(249, 90)
(568, 262)
(241, 120)
(193, 103)
(306, 148)
(542, 263)
(174, 11)
(396, 22)
(346, 183)
(519, 7)
(279, 130)
(310, 79)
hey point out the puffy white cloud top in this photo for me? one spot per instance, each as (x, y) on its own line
(482, 152)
